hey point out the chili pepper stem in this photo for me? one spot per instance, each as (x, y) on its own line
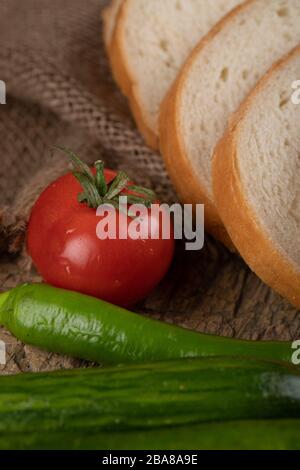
(3, 298)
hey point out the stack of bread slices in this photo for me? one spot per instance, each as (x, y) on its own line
(215, 85)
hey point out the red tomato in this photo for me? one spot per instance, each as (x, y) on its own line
(67, 253)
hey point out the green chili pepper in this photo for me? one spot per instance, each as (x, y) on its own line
(77, 325)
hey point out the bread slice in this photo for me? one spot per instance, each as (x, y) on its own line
(150, 41)
(257, 180)
(221, 71)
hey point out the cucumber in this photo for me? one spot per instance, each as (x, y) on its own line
(238, 435)
(146, 397)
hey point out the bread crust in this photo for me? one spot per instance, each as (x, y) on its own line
(181, 171)
(109, 21)
(125, 78)
(249, 237)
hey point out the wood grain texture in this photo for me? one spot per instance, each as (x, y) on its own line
(211, 291)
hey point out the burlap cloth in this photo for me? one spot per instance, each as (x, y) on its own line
(60, 91)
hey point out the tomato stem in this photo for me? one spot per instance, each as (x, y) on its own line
(100, 179)
(97, 192)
